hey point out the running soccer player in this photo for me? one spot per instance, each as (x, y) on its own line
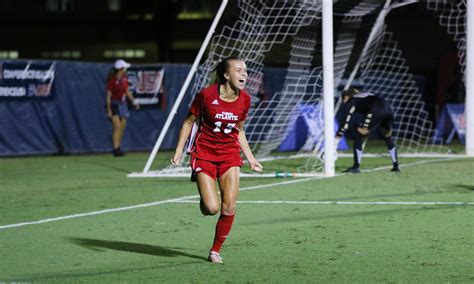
(376, 112)
(220, 111)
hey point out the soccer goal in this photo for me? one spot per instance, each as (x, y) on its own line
(282, 44)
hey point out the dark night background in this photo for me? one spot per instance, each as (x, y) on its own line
(171, 31)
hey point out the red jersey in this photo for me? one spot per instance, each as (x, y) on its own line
(217, 137)
(118, 88)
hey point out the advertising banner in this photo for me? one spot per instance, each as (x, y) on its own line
(305, 130)
(146, 85)
(26, 79)
(451, 121)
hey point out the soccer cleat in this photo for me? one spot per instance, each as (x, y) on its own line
(118, 152)
(354, 170)
(395, 169)
(214, 257)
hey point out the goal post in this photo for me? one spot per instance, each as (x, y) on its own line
(310, 51)
(469, 79)
(328, 89)
(185, 86)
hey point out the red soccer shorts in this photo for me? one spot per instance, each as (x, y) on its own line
(213, 169)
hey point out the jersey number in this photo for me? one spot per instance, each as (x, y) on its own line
(227, 130)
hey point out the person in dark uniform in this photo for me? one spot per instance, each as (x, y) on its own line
(375, 113)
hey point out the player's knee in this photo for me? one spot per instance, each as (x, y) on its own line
(228, 208)
(116, 125)
(209, 211)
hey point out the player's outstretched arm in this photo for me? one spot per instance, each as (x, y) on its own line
(244, 145)
(183, 137)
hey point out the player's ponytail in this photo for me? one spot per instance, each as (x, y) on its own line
(221, 69)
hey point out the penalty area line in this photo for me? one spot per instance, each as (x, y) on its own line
(343, 202)
(93, 213)
(168, 201)
(190, 197)
(112, 210)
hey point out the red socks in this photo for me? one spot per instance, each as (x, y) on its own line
(222, 230)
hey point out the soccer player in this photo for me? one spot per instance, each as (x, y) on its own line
(376, 112)
(220, 111)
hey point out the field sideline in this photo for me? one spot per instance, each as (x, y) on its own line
(373, 227)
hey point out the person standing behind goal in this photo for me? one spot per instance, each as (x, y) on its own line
(116, 103)
(376, 113)
(220, 111)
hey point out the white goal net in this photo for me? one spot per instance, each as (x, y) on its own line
(281, 43)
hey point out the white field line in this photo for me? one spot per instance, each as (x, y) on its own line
(189, 197)
(341, 202)
(97, 212)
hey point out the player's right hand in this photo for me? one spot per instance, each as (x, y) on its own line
(176, 159)
(256, 166)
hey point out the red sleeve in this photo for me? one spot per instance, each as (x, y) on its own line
(196, 106)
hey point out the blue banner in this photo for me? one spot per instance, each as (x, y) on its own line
(72, 119)
(26, 79)
(306, 129)
(451, 121)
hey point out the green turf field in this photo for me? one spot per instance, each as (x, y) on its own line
(337, 230)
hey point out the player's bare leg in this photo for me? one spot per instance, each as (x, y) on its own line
(229, 188)
(229, 184)
(209, 204)
(123, 124)
(116, 134)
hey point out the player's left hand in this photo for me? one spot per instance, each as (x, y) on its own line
(256, 166)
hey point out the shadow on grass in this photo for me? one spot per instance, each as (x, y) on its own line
(74, 274)
(464, 186)
(133, 247)
(111, 166)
